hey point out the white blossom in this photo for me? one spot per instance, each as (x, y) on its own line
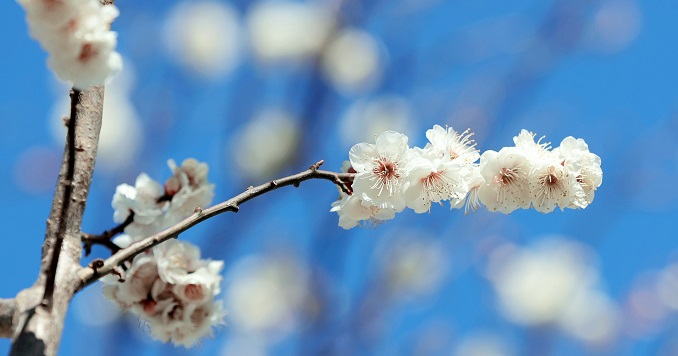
(188, 188)
(449, 145)
(552, 184)
(288, 31)
(144, 201)
(506, 185)
(473, 180)
(390, 176)
(157, 207)
(533, 151)
(434, 181)
(173, 291)
(77, 36)
(380, 169)
(352, 210)
(584, 165)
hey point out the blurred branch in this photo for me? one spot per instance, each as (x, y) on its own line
(88, 275)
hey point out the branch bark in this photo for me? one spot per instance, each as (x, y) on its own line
(39, 317)
(88, 275)
(7, 310)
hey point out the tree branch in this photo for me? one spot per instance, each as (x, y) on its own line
(7, 310)
(37, 326)
(65, 202)
(89, 240)
(89, 275)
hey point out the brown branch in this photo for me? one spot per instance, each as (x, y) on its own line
(88, 275)
(65, 202)
(104, 239)
(7, 310)
(39, 318)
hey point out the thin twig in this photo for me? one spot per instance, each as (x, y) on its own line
(89, 240)
(89, 275)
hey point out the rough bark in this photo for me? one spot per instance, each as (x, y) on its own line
(38, 320)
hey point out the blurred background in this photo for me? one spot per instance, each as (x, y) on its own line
(263, 89)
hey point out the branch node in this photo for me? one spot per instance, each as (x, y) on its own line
(296, 184)
(96, 264)
(274, 183)
(198, 210)
(317, 165)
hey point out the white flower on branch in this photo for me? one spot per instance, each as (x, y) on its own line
(583, 165)
(77, 36)
(157, 207)
(391, 176)
(432, 182)
(352, 210)
(188, 188)
(143, 201)
(506, 185)
(380, 169)
(173, 291)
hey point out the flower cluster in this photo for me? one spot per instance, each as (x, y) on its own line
(169, 287)
(77, 36)
(391, 176)
(156, 206)
(172, 290)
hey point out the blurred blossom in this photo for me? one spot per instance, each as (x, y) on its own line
(615, 25)
(204, 36)
(667, 286)
(266, 295)
(36, 168)
(121, 130)
(367, 118)
(651, 301)
(266, 144)
(351, 60)
(285, 30)
(591, 316)
(237, 345)
(556, 283)
(483, 344)
(413, 265)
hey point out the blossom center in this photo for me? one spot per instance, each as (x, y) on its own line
(506, 176)
(386, 175)
(385, 170)
(88, 52)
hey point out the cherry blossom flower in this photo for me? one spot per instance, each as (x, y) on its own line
(173, 291)
(380, 169)
(77, 36)
(432, 182)
(584, 165)
(352, 210)
(157, 207)
(506, 180)
(551, 185)
(144, 201)
(188, 188)
(450, 145)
